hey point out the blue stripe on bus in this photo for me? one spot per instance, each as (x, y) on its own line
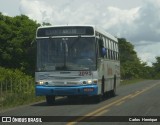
(88, 90)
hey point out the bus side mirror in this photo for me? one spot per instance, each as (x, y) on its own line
(33, 42)
(104, 51)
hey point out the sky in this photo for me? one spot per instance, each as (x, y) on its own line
(138, 21)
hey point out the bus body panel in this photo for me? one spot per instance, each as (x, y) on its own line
(108, 69)
(111, 70)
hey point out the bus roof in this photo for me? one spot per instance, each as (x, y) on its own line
(102, 31)
(96, 28)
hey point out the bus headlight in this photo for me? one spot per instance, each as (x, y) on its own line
(40, 83)
(95, 81)
(89, 82)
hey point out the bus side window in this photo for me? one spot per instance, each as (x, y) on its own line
(101, 48)
(114, 54)
(116, 49)
(104, 47)
(106, 42)
(109, 48)
(97, 48)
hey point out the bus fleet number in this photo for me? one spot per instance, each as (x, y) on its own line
(84, 73)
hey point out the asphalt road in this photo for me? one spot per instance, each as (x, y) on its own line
(140, 99)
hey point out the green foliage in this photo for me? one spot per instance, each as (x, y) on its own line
(16, 35)
(16, 80)
(46, 24)
(129, 60)
(156, 67)
(16, 88)
(126, 50)
(133, 81)
(131, 66)
(17, 53)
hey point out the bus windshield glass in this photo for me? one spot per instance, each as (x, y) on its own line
(69, 53)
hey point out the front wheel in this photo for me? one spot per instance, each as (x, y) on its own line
(50, 99)
(97, 98)
(113, 92)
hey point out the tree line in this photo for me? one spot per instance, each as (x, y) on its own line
(16, 51)
(16, 35)
(132, 67)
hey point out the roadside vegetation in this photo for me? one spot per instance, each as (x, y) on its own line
(131, 81)
(17, 61)
(16, 88)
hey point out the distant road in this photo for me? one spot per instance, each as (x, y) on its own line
(140, 99)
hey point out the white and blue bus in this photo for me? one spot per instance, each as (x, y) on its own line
(76, 61)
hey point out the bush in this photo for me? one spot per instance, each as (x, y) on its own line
(16, 88)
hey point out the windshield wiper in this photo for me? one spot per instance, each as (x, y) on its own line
(65, 56)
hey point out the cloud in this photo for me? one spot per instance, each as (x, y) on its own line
(140, 25)
(76, 12)
(148, 22)
(121, 22)
(137, 24)
(148, 52)
(6, 14)
(36, 10)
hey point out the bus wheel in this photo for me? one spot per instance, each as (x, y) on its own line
(72, 98)
(98, 98)
(50, 99)
(113, 92)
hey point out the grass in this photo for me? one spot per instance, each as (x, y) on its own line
(15, 99)
(130, 81)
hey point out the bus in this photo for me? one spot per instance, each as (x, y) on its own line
(76, 61)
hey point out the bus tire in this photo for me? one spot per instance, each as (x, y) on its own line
(113, 92)
(50, 99)
(72, 98)
(98, 98)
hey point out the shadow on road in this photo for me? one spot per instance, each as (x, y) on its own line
(76, 101)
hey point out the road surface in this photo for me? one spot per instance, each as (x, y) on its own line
(139, 99)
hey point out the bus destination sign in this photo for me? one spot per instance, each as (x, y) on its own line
(65, 31)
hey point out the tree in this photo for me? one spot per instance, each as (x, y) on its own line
(16, 35)
(156, 67)
(46, 24)
(131, 67)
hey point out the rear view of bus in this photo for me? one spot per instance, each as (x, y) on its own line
(72, 61)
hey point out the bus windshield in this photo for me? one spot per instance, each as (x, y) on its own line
(69, 53)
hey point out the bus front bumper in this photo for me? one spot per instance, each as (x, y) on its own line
(86, 90)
